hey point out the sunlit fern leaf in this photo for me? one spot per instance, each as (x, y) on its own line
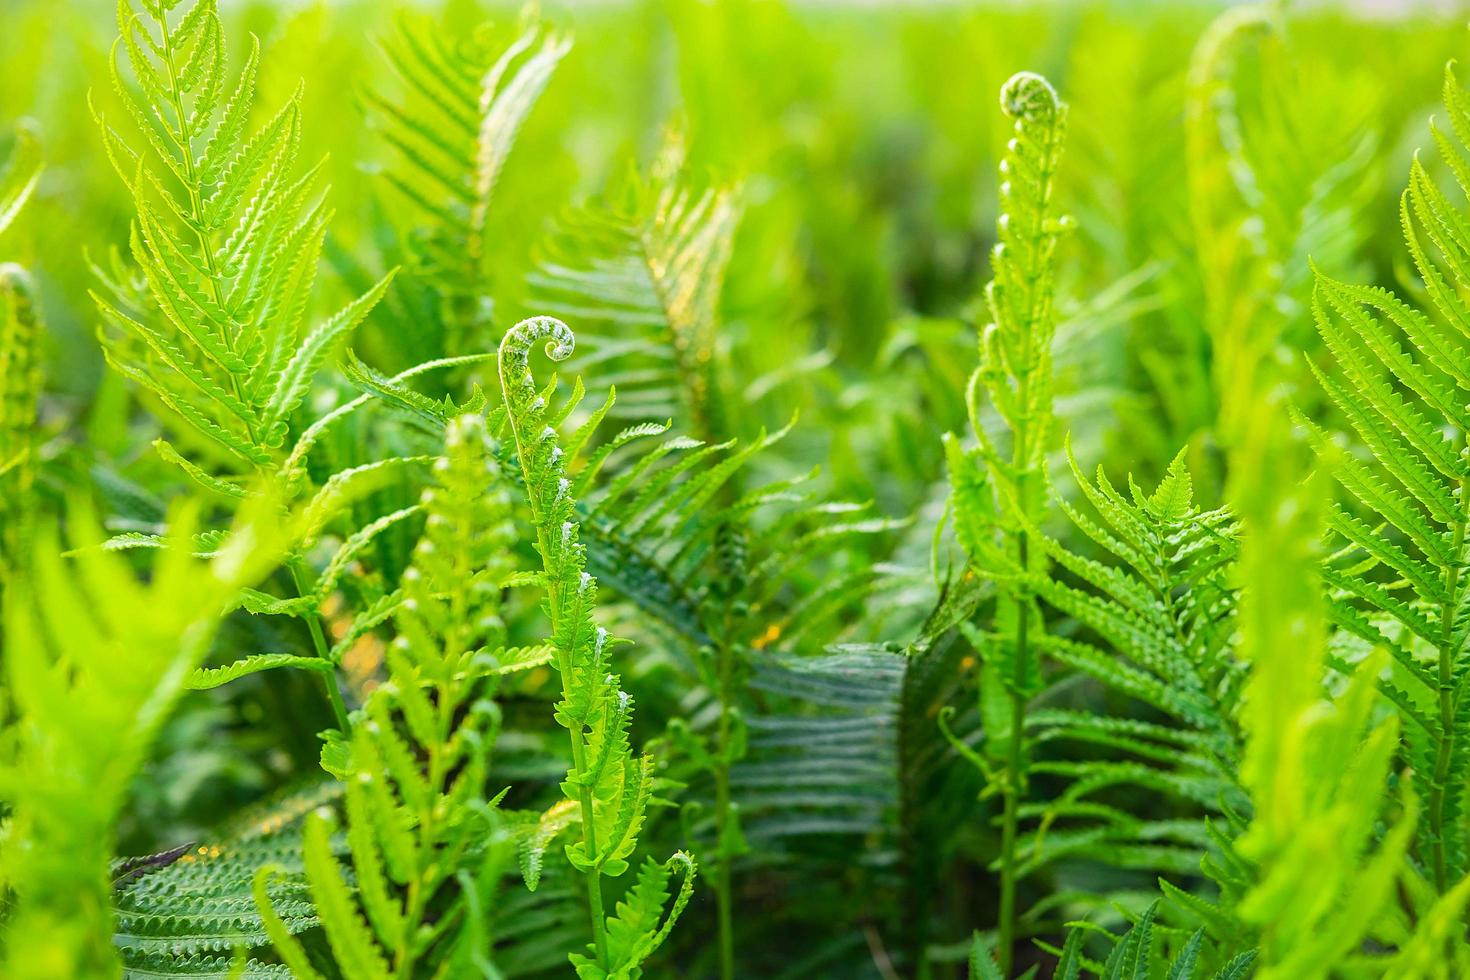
(19, 174)
(182, 914)
(644, 271)
(463, 104)
(611, 785)
(91, 682)
(1397, 579)
(227, 239)
(1158, 626)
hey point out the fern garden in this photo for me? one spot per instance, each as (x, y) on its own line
(734, 488)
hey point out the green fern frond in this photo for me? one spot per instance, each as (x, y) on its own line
(1397, 579)
(178, 914)
(645, 271)
(463, 105)
(419, 831)
(227, 240)
(92, 681)
(612, 786)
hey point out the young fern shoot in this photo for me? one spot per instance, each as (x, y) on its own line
(999, 490)
(610, 786)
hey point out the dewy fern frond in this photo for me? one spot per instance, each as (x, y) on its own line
(228, 236)
(610, 785)
(1398, 581)
(426, 852)
(463, 106)
(646, 270)
(998, 489)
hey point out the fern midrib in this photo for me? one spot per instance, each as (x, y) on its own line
(1448, 613)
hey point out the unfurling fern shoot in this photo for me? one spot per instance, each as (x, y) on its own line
(609, 784)
(999, 490)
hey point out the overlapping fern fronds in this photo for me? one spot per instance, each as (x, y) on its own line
(186, 911)
(998, 488)
(1159, 616)
(425, 850)
(645, 269)
(91, 682)
(463, 105)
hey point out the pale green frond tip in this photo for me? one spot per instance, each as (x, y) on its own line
(560, 341)
(1027, 95)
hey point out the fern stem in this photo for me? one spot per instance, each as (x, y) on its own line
(1445, 751)
(319, 642)
(723, 885)
(589, 840)
(1015, 773)
(579, 743)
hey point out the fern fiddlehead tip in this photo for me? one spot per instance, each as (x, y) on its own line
(1027, 95)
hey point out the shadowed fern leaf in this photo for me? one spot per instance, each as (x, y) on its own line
(183, 913)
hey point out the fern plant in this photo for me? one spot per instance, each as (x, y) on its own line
(1396, 581)
(645, 270)
(213, 321)
(1163, 608)
(188, 911)
(998, 490)
(610, 786)
(227, 241)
